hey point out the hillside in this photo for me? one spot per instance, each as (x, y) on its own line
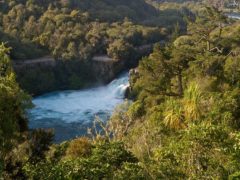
(78, 31)
(182, 121)
(177, 109)
(29, 24)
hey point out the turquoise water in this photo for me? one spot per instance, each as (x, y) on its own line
(70, 113)
(234, 15)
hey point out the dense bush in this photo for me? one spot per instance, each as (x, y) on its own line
(187, 127)
(78, 30)
(107, 160)
(183, 122)
(79, 148)
(13, 102)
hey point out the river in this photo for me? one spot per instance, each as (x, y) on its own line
(70, 113)
(234, 16)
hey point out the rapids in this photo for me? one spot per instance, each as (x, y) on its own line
(70, 113)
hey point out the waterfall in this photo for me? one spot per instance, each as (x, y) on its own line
(65, 109)
(121, 90)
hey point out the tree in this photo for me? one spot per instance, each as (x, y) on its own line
(13, 102)
(206, 22)
(120, 50)
(155, 77)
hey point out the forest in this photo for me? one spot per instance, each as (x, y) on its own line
(181, 118)
(80, 29)
(77, 31)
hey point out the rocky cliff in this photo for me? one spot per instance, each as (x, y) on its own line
(38, 76)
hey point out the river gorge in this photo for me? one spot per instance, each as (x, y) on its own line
(71, 112)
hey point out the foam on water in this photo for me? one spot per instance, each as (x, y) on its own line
(233, 15)
(70, 113)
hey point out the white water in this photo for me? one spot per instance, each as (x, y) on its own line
(64, 110)
(233, 16)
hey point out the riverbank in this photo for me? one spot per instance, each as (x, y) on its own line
(43, 75)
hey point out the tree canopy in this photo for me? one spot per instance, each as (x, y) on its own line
(182, 121)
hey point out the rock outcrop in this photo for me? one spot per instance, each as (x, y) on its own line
(38, 76)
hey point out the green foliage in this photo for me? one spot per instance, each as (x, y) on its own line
(183, 122)
(173, 115)
(30, 149)
(189, 96)
(200, 152)
(79, 148)
(39, 143)
(13, 102)
(78, 30)
(72, 30)
(232, 70)
(120, 50)
(130, 171)
(107, 160)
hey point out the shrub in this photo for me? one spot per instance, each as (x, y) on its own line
(80, 147)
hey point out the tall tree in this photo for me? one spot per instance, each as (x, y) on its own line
(13, 102)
